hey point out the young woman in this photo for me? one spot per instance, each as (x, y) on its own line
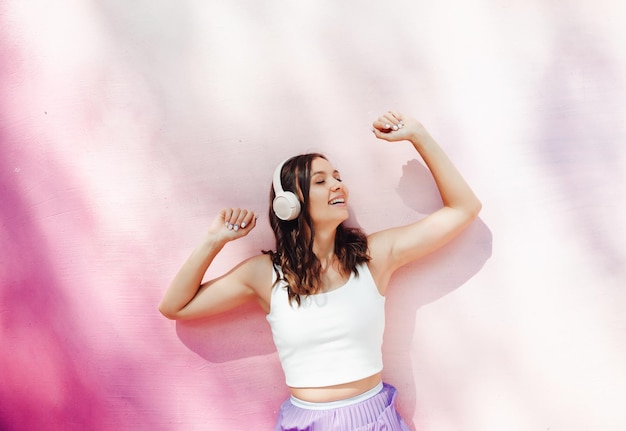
(323, 288)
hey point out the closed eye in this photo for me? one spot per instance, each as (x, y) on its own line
(324, 180)
(320, 177)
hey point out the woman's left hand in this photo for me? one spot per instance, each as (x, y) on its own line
(393, 126)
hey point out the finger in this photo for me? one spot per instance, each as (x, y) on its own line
(232, 220)
(382, 134)
(395, 120)
(239, 220)
(399, 118)
(247, 221)
(226, 214)
(396, 115)
(384, 125)
(390, 121)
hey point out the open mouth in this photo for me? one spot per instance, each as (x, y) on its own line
(337, 201)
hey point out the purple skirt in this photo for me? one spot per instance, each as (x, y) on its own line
(377, 413)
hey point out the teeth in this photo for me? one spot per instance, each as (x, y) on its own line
(337, 201)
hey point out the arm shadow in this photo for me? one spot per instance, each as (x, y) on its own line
(425, 281)
(236, 334)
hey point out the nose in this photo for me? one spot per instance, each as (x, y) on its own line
(337, 184)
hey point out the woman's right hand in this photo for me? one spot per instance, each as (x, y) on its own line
(232, 223)
(187, 297)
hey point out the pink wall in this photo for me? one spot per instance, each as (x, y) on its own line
(125, 126)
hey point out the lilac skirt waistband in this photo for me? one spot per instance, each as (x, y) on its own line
(376, 413)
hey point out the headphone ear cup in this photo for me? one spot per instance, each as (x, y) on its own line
(286, 206)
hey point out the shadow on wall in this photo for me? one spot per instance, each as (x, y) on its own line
(425, 280)
(237, 334)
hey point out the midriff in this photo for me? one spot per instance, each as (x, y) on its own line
(336, 392)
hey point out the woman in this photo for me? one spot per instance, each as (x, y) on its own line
(323, 287)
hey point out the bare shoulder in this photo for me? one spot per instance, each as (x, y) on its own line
(256, 271)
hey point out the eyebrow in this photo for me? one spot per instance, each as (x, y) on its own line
(323, 172)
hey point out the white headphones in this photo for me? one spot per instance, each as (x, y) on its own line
(286, 205)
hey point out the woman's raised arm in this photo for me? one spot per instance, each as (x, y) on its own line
(395, 247)
(186, 298)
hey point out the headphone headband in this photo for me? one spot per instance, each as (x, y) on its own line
(278, 187)
(286, 205)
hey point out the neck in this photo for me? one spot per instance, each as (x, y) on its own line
(324, 247)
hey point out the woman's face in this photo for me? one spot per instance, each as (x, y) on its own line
(328, 196)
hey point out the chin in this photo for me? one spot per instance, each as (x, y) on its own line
(346, 216)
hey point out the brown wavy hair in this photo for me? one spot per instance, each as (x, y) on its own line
(301, 269)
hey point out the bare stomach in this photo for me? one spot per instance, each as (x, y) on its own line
(336, 392)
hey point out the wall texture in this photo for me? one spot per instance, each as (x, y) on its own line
(125, 126)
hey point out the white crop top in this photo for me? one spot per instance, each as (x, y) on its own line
(331, 338)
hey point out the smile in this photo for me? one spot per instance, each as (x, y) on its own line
(337, 201)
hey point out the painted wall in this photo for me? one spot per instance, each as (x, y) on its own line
(125, 126)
